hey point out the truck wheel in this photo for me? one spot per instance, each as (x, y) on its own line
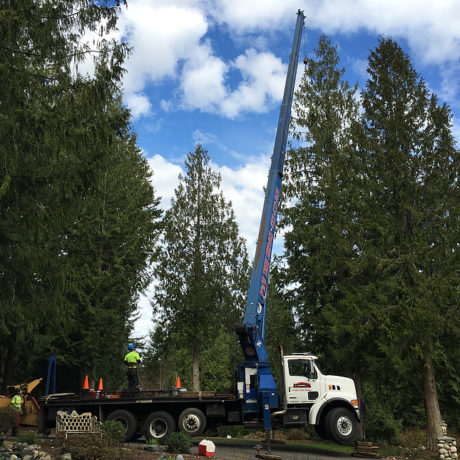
(127, 419)
(158, 425)
(342, 425)
(192, 421)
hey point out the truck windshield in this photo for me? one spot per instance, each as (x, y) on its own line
(302, 367)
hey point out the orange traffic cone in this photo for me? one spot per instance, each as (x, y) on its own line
(178, 382)
(86, 384)
(100, 387)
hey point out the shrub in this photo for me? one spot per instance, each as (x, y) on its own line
(412, 438)
(115, 430)
(178, 443)
(295, 434)
(92, 447)
(235, 431)
(151, 442)
(7, 419)
(28, 437)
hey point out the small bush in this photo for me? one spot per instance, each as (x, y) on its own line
(151, 442)
(28, 437)
(235, 431)
(295, 434)
(115, 430)
(92, 447)
(178, 443)
(412, 438)
(7, 419)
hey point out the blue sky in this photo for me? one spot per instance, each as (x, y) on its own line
(213, 72)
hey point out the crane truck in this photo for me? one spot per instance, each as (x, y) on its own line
(328, 402)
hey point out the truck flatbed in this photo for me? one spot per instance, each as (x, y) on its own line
(152, 413)
(130, 395)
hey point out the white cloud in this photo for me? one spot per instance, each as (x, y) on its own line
(243, 186)
(204, 87)
(171, 44)
(204, 137)
(165, 178)
(161, 36)
(262, 84)
(203, 80)
(168, 43)
(138, 103)
(431, 28)
(244, 16)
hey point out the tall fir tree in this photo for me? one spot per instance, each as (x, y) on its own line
(202, 272)
(321, 184)
(411, 199)
(111, 243)
(282, 330)
(68, 160)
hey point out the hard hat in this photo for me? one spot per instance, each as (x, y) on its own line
(130, 347)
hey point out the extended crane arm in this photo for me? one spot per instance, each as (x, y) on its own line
(252, 331)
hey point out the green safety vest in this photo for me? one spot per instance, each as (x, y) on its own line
(16, 403)
(132, 358)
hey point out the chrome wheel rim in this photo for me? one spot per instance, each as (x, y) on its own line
(158, 428)
(192, 423)
(344, 426)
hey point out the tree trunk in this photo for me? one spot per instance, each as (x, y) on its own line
(356, 377)
(433, 414)
(359, 394)
(196, 369)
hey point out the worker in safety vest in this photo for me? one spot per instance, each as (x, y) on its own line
(132, 359)
(16, 404)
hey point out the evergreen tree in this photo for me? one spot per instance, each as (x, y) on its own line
(281, 326)
(77, 222)
(412, 197)
(372, 243)
(202, 272)
(112, 243)
(321, 183)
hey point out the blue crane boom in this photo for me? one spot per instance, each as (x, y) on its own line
(252, 331)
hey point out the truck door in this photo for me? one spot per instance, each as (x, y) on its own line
(302, 382)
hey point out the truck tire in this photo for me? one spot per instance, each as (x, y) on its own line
(342, 425)
(192, 421)
(159, 425)
(127, 419)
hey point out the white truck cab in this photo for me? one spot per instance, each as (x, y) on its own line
(328, 402)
